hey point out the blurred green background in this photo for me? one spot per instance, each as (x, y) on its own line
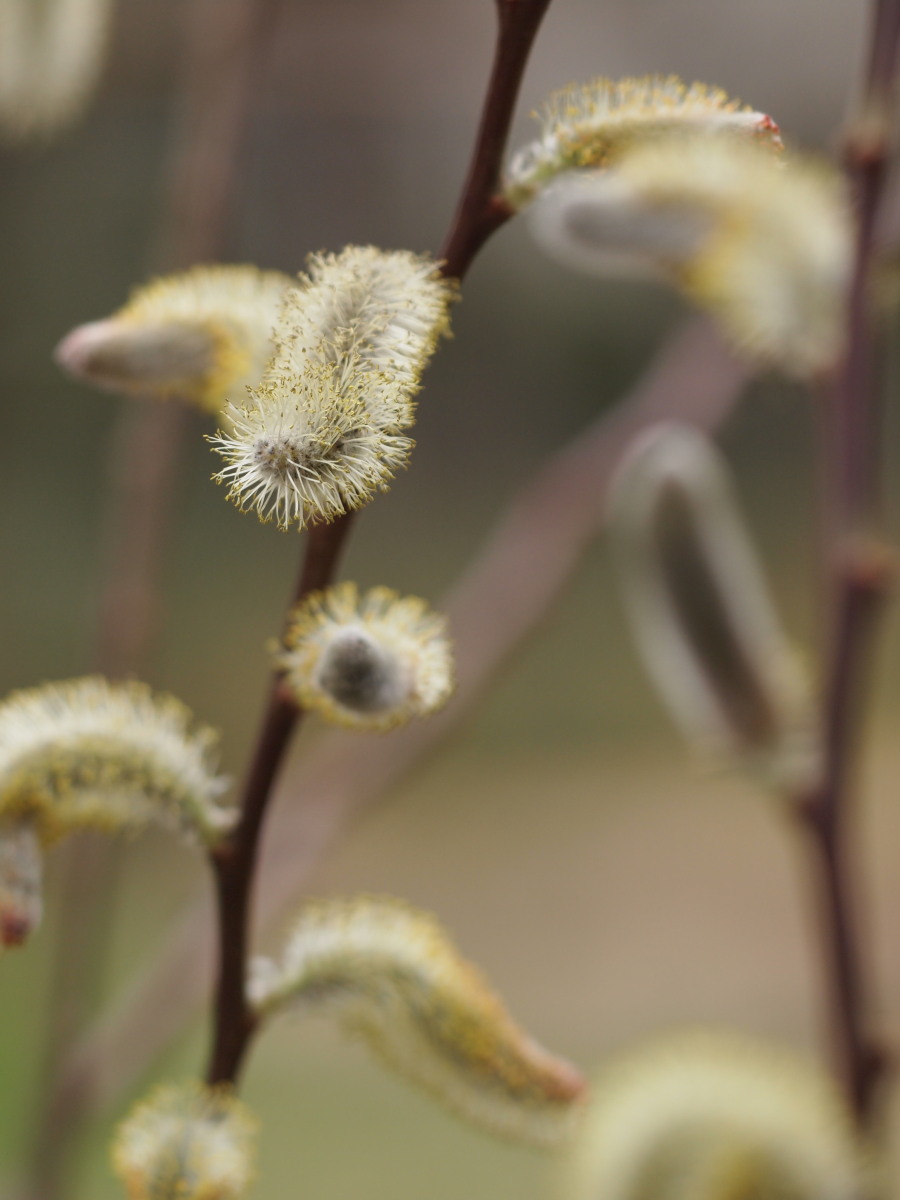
(604, 882)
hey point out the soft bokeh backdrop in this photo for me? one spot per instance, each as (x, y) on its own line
(604, 882)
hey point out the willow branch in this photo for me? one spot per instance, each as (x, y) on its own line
(235, 861)
(857, 574)
(235, 864)
(481, 211)
(521, 570)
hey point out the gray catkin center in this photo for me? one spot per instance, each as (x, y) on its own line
(361, 677)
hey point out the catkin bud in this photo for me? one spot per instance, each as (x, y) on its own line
(204, 336)
(765, 247)
(391, 976)
(92, 754)
(21, 875)
(593, 125)
(369, 662)
(699, 609)
(188, 1142)
(713, 1116)
(323, 432)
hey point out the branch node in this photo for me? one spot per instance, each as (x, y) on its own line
(869, 567)
(867, 141)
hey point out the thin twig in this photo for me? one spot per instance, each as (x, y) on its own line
(235, 863)
(522, 569)
(857, 576)
(220, 66)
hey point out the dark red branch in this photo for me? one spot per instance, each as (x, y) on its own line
(883, 49)
(857, 1059)
(481, 211)
(478, 214)
(857, 574)
(235, 861)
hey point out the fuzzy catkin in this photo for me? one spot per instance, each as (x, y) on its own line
(589, 126)
(202, 336)
(324, 431)
(392, 977)
(186, 1142)
(710, 1115)
(369, 661)
(90, 753)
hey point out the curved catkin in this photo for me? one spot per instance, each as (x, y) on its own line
(51, 55)
(700, 611)
(186, 1142)
(391, 976)
(203, 335)
(369, 661)
(592, 125)
(89, 753)
(324, 431)
(713, 1116)
(764, 246)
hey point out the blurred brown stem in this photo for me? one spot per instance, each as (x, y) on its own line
(520, 572)
(857, 575)
(235, 862)
(220, 67)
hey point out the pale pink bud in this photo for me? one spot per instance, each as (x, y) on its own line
(127, 357)
(21, 874)
(203, 336)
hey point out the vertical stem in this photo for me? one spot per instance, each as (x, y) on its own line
(478, 214)
(857, 573)
(857, 1060)
(225, 42)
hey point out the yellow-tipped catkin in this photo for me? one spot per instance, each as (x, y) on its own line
(764, 246)
(203, 336)
(714, 1116)
(89, 753)
(186, 1142)
(593, 125)
(700, 611)
(369, 662)
(323, 432)
(21, 874)
(51, 54)
(391, 976)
